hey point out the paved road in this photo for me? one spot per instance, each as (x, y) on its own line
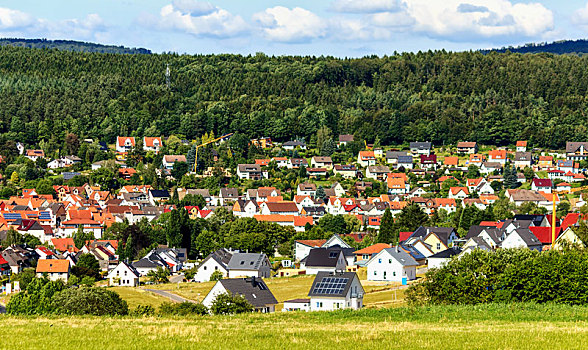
(172, 296)
(176, 278)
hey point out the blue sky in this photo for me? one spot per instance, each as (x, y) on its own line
(344, 28)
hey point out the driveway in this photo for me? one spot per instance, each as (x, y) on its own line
(176, 278)
(171, 296)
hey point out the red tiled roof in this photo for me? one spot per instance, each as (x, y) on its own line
(373, 249)
(404, 236)
(312, 242)
(543, 233)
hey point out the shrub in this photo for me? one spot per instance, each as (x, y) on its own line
(226, 304)
(509, 275)
(143, 310)
(183, 309)
(36, 299)
(216, 276)
(89, 301)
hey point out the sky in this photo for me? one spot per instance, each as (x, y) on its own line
(342, 28)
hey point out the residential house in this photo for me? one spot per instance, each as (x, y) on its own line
(441, 258)
(169, 161)
(152, 144)
(392, 157)
(296, 163)
(545, 162)
(397, 185)
(405, 162)
(281, 162)
(226, 195)
(314, 173)
(124, 144)
(362, 256)
(292, 145)
(336, 290)
(467, 147)
(345, 140)
(438, 238)
(303, 247)
(476, 159)
(124, 275)
(158, 196)
(577, 150)
(497, 156)
(377, 172)
(490, 167)
(249, 265)
(366, 158)
(324, 259)
(245, 208)
(522, 238)
(392, 264)
(54, 269)
(262, 142)
(250, 172)
(321, 162)
(429, 161)
(568, 166)
(521, 146)
(458, 192)
(523, 159)
(215, 261)
(253, 289)
(421, 148)
(568, 237)
(346, 171)
(451, 162)
(278, 208)
(543, 185)
(306, 189)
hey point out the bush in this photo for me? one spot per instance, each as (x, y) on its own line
(509, 275)
(182, 309)
(216, 276)
(89, 301)
(143, 310)
(36, 299)
(226, 304)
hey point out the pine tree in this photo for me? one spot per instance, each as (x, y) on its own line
(388, 232)
(320, 192)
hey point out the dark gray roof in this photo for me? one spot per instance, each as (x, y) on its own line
(247, 261)
(481, 243)
(574, 146)
(221, 256)
(442, 232)
(421, 145)
(159, 193)
(146, 263)
(203, 192)
(405, 159)
(294, 143)
(528, 237)
(325, 279)
(229, 192)
(402, 257)
(253, 289)
(536, 219)
(447, 253)
(395, 154)
(322, 257)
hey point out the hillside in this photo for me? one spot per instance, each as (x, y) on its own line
(557, 47)
(438, 96)
(70, 45)
(447, 327)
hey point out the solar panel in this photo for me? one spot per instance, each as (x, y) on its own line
(330, 285)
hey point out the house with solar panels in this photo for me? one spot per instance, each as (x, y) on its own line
(393, 265)
(336, 290)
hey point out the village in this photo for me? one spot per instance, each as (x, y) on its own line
(467, 196)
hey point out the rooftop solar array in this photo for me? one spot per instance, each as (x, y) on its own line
(330, 285)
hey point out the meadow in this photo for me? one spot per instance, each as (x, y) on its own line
(492, 326)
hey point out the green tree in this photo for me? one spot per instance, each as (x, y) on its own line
(159, 276)
(410, 218)
(216, 276)
(89, 301)
(13, 237)
(80, 237)
(388, 232)
(89, 262)
(226, 304)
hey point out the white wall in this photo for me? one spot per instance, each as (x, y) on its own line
(205, 271)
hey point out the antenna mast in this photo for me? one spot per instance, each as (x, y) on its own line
(167, 76)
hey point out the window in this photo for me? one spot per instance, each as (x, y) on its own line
(319, 304)
(215, 268)
(394, 273)
(204, 268)
(375, 273)
(438, 246)
(242, 262)
(389, 261)
(379, 261)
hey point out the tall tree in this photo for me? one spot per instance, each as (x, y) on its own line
(388, 232)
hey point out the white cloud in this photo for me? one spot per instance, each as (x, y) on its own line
(13, 19)
(463, 20)
(201, 19)
(295, 25)
(366, 6)
(580, 17)
(18, 23)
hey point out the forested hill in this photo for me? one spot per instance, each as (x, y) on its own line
(578, 47)
(438, 96)
(70, 45)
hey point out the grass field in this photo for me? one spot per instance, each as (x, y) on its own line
(136, 296)
(523, 326)
(287, 288)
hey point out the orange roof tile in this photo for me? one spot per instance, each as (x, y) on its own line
(373, 249)
(52, 266)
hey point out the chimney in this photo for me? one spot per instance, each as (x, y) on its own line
(398, 248)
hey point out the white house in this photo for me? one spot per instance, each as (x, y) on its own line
(324, 260)
(215, 261)
(366, 158)
(253, 289)
(55, 269)
(392, 264)
(124, 144)
(169, 160)
(522, 238)
(442, 257)
(296, 305)
(152, 144)
(123, 275)
(336, 290)
(249, 265)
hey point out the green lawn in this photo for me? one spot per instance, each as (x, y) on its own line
(524, 326)
(136, 296)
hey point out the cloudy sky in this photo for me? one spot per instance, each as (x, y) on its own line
(302, 27)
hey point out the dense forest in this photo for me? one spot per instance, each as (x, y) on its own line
(439, 96)
(71, 45)
(578, 47)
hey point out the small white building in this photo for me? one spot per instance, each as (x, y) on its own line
(54, 269)
(124, 275)
(522, 238)
(297, 305)
(249, 265)
(392, 264)
(442, 257)
(336, 290)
